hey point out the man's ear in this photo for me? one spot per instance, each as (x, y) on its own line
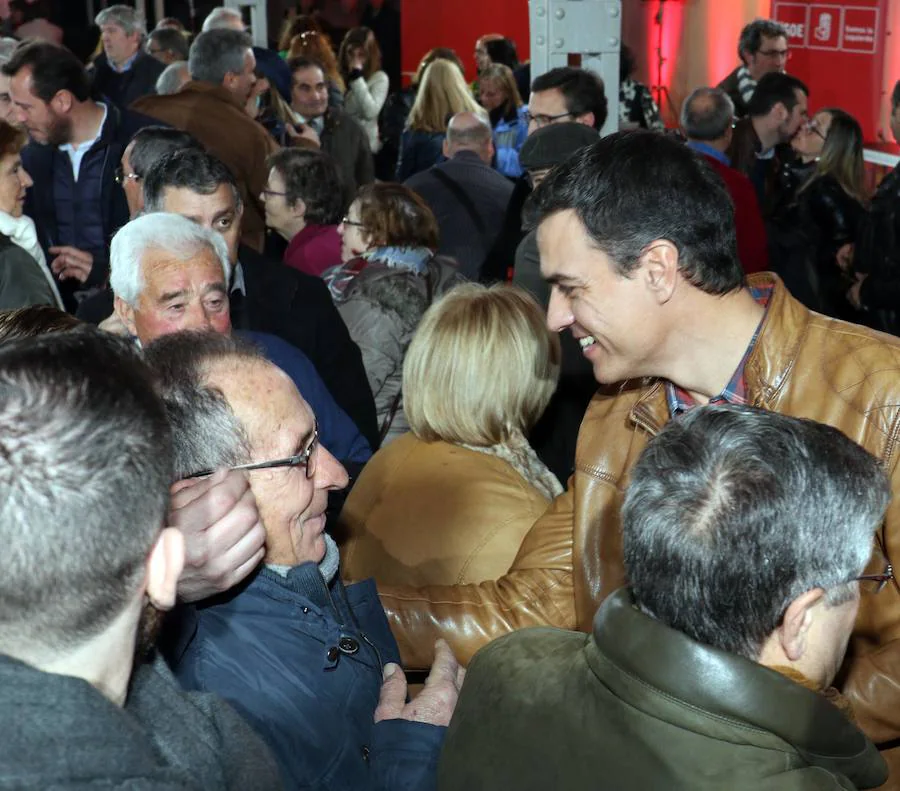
(585, 118)
(164, 565)
(798, 617)
(445, 148)
(781, 112)
(61, 102)
(126, 314)
(659, 268)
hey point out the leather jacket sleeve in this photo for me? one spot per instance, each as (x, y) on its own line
(536, 591)
(833, 212)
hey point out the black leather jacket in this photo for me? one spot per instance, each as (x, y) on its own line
(878, 249)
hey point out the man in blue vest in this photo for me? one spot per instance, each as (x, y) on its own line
(73, 158)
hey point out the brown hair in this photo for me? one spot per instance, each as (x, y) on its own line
(12, 139)
(503, 75)
(364, 39)
(394, 216)
(301, 23)
(438, 53)
(33, 321)
(317, 46)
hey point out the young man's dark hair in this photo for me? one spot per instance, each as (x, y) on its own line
(582, 91)
(311, 176)
(53, 69)
(753, 33)
(168, 39)
(302, 62)
(186, 168)
(152, 143)
(773, 88)
(605, 185)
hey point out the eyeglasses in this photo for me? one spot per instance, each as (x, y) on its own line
(871, 584)
(777, 54)
(122, 176)
(813, 126)
(543, 120)
(306, 458)
(348, 221)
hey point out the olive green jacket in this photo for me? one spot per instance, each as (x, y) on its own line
(639, 706)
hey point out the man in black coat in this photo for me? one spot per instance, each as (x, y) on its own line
(123, 72)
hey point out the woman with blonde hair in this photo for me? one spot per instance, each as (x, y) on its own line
(367, 84)
(442, 93)
(499, 95)
(317, 46)
(450, 502)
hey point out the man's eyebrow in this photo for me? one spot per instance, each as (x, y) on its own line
(559, 277)
(304, 441)
(215, 287)
(169, 295)
(224, 213)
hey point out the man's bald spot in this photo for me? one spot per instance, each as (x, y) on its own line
(468, 130)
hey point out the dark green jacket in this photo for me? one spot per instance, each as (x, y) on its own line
(637, 706)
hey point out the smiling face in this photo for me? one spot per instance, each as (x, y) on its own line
(612, 316)
(279, 424)
(14, 182)
(309, 92)
(178, 295)
(118, 45)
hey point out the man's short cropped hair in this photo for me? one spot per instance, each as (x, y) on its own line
(53, 69)
(152, 143)
(172, 78)
(707, 114)
(582, 91)
(313, 177)
(85, 469)
(774, 88)
(751, 36)
(731, 513)
(188, 168)
(176, 236)
(171, 40)
(35, 320)
(632, 188)
(122, 16)
(216, 53)
(222, 18)
(481, 366)
(206, 433)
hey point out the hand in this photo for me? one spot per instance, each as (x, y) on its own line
(71, 263)
(305, 132)
(224, 539)
(435, 703)
(357, 61)
(844, 257)
(853, 294)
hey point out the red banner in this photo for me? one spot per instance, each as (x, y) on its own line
(837, 49)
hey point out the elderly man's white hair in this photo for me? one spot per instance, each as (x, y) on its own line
(222, 17)
(172, 78)
(161, 232)
(7, 47)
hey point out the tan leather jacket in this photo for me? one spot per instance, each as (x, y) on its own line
(804, 365)
(435, 513)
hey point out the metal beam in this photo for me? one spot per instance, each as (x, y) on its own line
(591, 29)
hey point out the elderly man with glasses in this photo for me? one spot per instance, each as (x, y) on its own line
(300, 655)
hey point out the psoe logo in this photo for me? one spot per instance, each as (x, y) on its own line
(796, 30)
(823, 29)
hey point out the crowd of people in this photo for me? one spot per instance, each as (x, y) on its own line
(359, 436)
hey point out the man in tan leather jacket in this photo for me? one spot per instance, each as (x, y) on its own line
(637, 237)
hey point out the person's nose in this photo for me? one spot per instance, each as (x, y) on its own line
(330, 473)
(197, 318)
(559, 312)
(25, 178)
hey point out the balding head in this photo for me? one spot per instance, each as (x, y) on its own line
(224, 19)
(707, 115)
(469, 132)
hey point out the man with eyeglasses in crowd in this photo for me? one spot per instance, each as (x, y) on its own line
(298, 653)
(762, 48)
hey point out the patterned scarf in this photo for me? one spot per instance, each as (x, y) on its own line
(338, 278)
(746, 84)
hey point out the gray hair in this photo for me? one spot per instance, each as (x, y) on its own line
(733, 512)
(172, 78)
(707, 114)
(206, 433)
(7, 47)
(222, 18)
(85, 469)
(217, 53)
(168, 233)
(469, 130)
(752, 35)
(124, 17)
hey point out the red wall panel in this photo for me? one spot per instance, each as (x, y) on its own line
(453, 23)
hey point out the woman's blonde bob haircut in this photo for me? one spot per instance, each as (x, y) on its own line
(481, 366)
(442, 94)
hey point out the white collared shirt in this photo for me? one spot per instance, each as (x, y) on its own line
(77, 154)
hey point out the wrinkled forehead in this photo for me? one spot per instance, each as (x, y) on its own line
(310, 76)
